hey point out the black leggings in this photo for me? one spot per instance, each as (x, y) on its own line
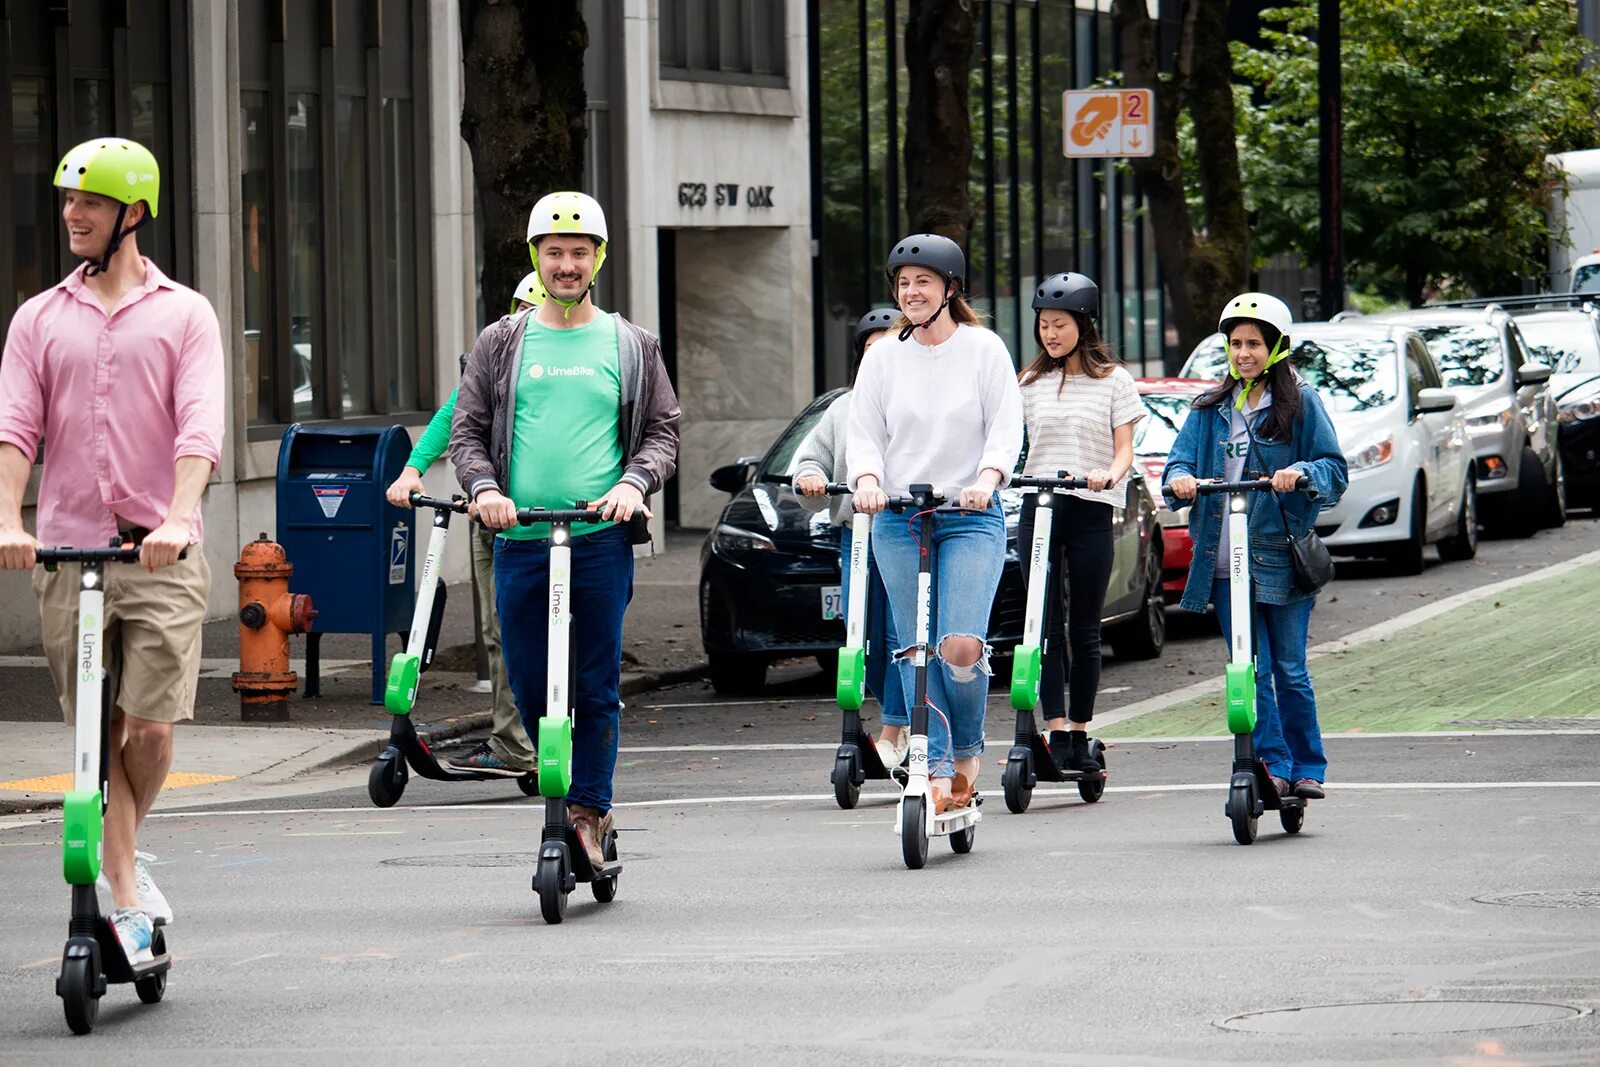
(1081, 547)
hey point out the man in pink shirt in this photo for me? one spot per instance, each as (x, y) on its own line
(119, 372)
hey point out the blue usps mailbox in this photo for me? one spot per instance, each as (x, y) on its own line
(352, 550)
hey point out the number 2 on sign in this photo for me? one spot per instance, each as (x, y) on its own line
(1133, 112)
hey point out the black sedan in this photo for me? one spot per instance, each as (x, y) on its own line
(769, 572)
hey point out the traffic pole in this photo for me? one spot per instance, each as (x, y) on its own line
(1329, 83)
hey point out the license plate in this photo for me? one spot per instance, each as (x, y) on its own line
(832, 603)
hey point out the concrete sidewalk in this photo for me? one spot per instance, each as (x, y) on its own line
(220, 757)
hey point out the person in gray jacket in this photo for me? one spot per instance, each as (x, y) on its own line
(819, 460)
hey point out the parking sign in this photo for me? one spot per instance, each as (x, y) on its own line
(1101, 123)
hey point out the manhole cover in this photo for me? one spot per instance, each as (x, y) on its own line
(1526, 724)
(487, 859)
(1562, 898)
(1402, 1017)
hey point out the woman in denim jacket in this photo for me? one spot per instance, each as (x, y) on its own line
(1263, 421)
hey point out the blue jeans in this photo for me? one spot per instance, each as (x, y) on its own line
(1287, 737)
(971, 550)
(882, 682)
(602, 585)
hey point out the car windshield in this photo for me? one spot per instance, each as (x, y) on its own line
(1349, 375)
(1467, 355)
(781, 463)
(1154, 436)
(1566, 345)
(1586, 279)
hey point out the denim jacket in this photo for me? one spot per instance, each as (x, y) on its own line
(1313, 447)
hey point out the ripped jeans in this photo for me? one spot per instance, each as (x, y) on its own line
(971, 552)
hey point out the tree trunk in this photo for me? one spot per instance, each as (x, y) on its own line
(938, 149)
(522, 116)
(1201, 268)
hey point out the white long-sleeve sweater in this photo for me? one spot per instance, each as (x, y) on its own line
(935, 414)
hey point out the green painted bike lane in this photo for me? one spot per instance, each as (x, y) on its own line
(1525, 654)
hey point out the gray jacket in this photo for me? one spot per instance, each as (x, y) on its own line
(480, 434)
(822, 454)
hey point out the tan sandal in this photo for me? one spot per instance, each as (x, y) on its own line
(963, 789)
(939, 799)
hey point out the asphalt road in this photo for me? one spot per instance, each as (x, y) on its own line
(756, 922)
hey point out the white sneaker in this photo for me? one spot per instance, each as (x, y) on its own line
(892, 755)
(152, 901)
(135, 932)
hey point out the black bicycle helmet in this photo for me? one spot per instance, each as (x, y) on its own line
(932, 251)
(878, 319)
(1070, 291)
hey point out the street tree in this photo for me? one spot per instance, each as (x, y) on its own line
(1449, 110)
(522, 117)
(940, 35)
(1204, 245)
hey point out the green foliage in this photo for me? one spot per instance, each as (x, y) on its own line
(1449, 109)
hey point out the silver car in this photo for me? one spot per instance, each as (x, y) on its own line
(1504, 393)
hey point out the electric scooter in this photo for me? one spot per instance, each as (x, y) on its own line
(387, 779)
(563, 861)
(1250, 788)
(916, 820)
(94, 955)
(1030, 759)
(857, 759)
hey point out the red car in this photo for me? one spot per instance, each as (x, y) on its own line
(1169, 401)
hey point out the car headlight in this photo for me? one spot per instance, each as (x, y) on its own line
(733, 541)
(1374, 455)
(1580, 404)
(1489, 422)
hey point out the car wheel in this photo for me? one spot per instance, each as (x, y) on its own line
(1407, 556)
(1145, 635)
(1532, 496)
(737, 675)
(1555, 510)
(1463, 543)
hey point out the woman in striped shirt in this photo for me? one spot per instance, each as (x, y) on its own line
(1080, 406)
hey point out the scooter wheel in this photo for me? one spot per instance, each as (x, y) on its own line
(529, 784)
(913, 833)
(549, 882)
(1014, 783)
(76, 986)
(961, 841)
(1092, 789)
(845, 790)
(1292, 818)
(1242, 813)
(605, 889)
(385, 782)
(153, 988)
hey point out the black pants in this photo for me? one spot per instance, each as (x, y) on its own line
(1081, 546)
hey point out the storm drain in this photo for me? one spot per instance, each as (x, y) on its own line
(1526, 724)
(1400, 1017)
(1564, 898)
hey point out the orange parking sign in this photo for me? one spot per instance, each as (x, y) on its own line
(1100, 123)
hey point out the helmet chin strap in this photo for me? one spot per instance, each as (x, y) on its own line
(906, 330)
(1277, 354)
(118, 234)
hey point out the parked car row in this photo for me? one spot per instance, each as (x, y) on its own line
(770, 571)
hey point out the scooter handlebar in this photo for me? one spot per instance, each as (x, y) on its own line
(638, 525)
(51, 555)
(457, 504)
(1254, 485)
(1059, 482)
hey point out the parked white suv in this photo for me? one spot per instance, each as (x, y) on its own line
(1410, 456)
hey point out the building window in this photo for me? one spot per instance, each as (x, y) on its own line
(75, 72)
(335, 300)
(739, 41)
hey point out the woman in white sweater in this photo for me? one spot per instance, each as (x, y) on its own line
(1081, 406)
(938, 404)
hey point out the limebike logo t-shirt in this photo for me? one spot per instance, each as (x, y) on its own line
(1234, 455)
(565, 446)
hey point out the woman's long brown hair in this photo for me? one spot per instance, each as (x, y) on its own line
(1098, 358)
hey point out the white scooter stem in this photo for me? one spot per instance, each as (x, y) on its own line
(428, 587)
(86, 770)
(1038, 568)
(558, 663)
(856, 610)
(1240, 642)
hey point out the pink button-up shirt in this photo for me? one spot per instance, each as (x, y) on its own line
(117, 400)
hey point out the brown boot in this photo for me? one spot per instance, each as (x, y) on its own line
(589, 823)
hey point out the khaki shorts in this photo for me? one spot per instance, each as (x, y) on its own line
(152, 634)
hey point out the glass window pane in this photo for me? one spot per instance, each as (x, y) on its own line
(256, 245)
(735, 36)
(152, 127)
(91, 109)
(355, 270)
(400, 254)
(701, 41)
(304, 211)
(671, 27)
(33, 202)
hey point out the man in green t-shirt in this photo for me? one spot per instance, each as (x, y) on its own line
(556, 406)
(507, 750)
